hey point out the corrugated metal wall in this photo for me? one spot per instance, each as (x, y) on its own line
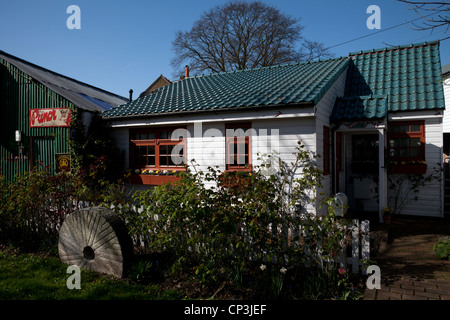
(18, 94)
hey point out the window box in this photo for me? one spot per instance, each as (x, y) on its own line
(408, 168)
(153, 180)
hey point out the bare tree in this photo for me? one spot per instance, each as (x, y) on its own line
(433, 14)
(240, 35)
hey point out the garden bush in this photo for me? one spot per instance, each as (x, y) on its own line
(231, 226)
(34, 206)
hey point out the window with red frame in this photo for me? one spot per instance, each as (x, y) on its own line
(326, 150)
(407, 141)
(162, 148)
(238, 147)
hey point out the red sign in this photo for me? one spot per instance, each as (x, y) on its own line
(50, 117)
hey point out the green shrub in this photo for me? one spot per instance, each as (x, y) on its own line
(442, 249)
(34, 206)
(219, 226)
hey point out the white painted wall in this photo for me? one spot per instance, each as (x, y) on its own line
(323, 112)
(446, 126)
(430, 197)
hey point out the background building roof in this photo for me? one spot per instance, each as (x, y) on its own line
(82, 95)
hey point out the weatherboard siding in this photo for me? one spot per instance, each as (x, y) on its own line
(447, 105)
(430, 197)
(323, 113)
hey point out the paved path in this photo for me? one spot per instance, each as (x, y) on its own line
(410, 269)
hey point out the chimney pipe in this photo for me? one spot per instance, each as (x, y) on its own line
(131, 95)
(186, 72)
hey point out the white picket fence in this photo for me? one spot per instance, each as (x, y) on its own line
(360, 246)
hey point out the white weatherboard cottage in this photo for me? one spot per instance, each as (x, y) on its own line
(371, 115)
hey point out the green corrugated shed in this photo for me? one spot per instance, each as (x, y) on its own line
(409, 77)
(18, 94)
(25, 86)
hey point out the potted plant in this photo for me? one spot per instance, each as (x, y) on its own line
(387, 215)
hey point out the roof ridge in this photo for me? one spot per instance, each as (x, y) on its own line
(281, 65)
(391, 48)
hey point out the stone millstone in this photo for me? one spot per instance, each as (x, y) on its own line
(96, 239)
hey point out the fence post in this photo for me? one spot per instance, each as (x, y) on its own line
(355, 246)
(365, 243)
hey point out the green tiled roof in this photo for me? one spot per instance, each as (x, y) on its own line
(360, 108)
(277, 85)
(409, 76)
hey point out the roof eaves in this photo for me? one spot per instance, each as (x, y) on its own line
(205, 111)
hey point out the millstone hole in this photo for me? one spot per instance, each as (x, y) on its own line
(88, 253)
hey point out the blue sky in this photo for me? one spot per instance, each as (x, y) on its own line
(126, 45)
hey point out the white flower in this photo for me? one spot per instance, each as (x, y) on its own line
(283, 270)
(262, 267)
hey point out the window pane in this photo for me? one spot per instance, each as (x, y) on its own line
(404, 142)
(241, 148)
(238, 148)
(415, 142)
(163, 160)
(151, 156)
(394, 129)
(404, 152)
(163, 150)
(176, 156)
(163, 135)
(392, 152)
(415, 128)
(403, 128)
(415, 152)
(142, 160)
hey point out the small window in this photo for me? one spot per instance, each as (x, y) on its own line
(158, 148)
(238, 147)
(407, 141)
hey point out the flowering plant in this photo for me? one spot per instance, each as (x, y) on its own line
(387, 211)
(156, 172)
(409, 162)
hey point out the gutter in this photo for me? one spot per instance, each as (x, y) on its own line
(207, 111)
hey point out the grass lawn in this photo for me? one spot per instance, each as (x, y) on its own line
(37, 277)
